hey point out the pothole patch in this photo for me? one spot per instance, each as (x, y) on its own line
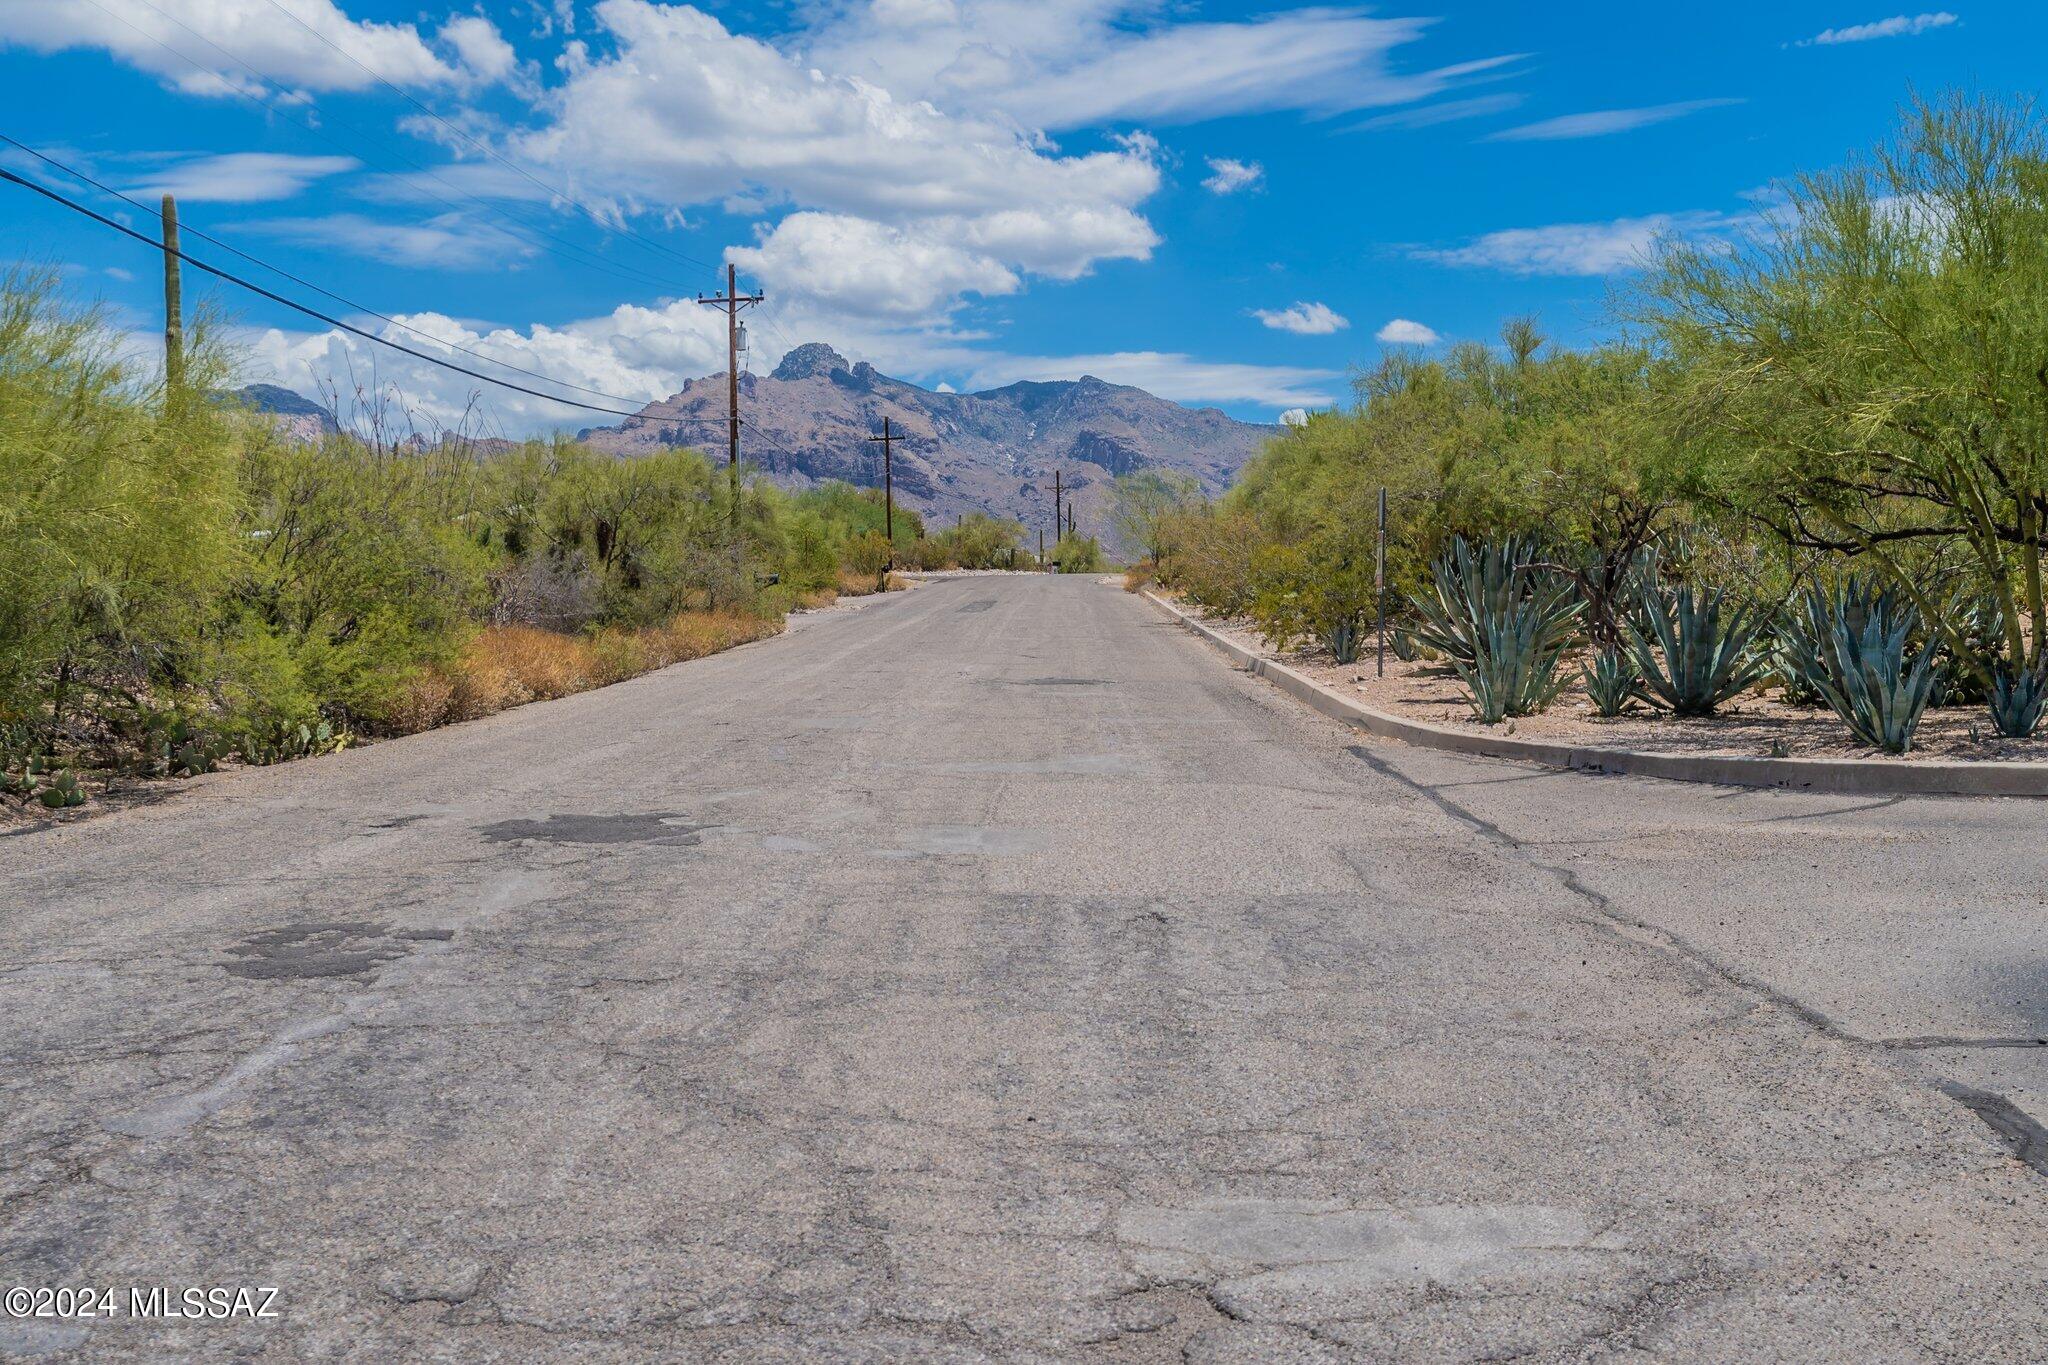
(306, 952)
(664, 828)
(1297, 1246)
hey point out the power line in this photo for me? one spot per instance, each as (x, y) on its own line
(258, 289)
(83, 178)
(578, 254)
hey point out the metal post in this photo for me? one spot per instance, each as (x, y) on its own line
(1379, 583)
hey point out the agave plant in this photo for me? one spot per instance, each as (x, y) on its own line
(1692, 648)
(1855, 647)
(2017, 697)
(1342, 638)
(1612, 682)
(1471, 589)
(1515, 672)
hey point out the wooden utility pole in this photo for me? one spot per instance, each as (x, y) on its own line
(1056, 504)
(174, 302)
(731, 301)
(889, 439)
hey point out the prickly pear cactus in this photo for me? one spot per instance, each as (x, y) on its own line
(64, 792)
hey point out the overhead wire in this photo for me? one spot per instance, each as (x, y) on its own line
(274, 297)
(280, 271)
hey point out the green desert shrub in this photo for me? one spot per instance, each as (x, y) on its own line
(1077, 554)
(116, 509)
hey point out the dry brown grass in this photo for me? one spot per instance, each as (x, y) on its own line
(1138, 576)
(507, 666)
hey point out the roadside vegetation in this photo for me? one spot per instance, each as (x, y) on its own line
(183, 585)
(1814, 463)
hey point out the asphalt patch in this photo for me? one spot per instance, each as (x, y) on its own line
(980, 604)
(664, 828)
(1058, 682)
(2015, 1127)
(308, 952)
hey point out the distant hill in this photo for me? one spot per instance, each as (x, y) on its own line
(297, 414)
(993, 451)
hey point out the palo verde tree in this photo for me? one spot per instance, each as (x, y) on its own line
(1144, 505)
(1869, 374)
(116, 509)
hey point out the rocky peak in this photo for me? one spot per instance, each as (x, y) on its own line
(812, 359)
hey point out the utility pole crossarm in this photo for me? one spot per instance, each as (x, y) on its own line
(731, 302)
(889, 438)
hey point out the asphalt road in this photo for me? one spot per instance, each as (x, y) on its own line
(992, 972)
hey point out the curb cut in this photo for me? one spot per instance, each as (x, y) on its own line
(1851, 777)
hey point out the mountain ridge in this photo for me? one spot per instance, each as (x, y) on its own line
(992, 450)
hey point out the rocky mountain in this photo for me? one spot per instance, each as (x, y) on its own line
(994, 451)
(300, 417)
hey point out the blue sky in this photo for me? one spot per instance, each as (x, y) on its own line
(1225, 203)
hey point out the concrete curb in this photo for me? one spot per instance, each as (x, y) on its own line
(1866, 777)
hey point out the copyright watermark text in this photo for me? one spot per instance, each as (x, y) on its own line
(190, 1303)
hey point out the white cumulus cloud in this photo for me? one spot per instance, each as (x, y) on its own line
(1402, 332)
(900, 210)
(1303, 319)
(315, 46)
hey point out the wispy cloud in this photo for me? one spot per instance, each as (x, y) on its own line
(449, 241)
(1602, 122)
(1303, 319)
(242, 177)
(1172, 375)
(1402, 332)
(1898, 26)
(1230, 175)
(1579, 248)
(1430, 115)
